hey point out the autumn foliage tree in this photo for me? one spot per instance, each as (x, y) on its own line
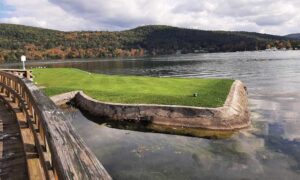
(37, 43)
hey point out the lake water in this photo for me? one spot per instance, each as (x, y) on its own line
(270, 149)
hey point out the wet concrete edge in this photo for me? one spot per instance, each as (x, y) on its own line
(233, 115)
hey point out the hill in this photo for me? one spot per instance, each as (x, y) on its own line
(294, 36)
(38, 43)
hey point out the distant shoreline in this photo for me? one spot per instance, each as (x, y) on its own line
(79, 60)
(38, 43)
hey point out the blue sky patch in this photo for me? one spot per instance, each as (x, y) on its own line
(5, 9)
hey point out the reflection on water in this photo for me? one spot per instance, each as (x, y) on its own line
(268, 150)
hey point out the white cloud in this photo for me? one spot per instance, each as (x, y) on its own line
(44, 14)
(266, 16)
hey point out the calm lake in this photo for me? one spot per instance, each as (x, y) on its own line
(270, 149)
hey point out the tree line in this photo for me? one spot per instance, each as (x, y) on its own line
(43, 44)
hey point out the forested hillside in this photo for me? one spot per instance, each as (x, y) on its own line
(294, 36)
(37, 43)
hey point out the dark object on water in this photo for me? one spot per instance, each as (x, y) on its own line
(195, 94)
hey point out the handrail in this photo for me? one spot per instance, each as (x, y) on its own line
(62, 152)
(20, 73)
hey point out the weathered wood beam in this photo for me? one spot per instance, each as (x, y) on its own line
(69, 157)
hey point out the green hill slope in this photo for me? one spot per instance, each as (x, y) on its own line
(38, 43)
(294, 36)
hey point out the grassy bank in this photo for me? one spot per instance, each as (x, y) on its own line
(135, 89)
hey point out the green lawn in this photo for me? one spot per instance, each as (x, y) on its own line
(135, 89)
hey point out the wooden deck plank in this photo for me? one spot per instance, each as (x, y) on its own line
(33, 163)
(35, 169)
(12, 156)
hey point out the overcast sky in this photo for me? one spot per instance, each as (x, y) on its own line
(265, 16)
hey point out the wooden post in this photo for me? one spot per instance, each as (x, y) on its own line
(28, 74)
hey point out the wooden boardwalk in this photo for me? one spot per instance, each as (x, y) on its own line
(37, 140)
(13, 163)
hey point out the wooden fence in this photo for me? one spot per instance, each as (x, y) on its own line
(62, 152)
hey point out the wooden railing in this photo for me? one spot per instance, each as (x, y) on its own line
(62, 153)
(20, 73)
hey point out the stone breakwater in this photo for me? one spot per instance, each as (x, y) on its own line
(233, 115)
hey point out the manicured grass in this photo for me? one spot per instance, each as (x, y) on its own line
(135, 89)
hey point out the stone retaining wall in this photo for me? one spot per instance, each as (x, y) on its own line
(64, 98)
(233, 115)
